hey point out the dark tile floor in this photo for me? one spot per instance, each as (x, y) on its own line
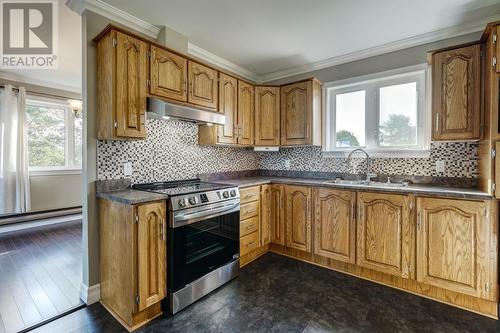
(40, 274)
(278, 294)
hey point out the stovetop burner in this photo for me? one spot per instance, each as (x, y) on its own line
(180, 187)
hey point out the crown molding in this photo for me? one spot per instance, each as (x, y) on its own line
(401, 44)
(115, 14)
(45, 84)
(214, 59)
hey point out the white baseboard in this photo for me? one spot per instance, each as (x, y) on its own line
(90, 295)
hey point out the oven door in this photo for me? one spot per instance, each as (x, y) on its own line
(199, 244)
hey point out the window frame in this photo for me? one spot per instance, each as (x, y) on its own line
(70, 165)
(371, 84)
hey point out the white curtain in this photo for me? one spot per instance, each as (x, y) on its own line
(14, 174)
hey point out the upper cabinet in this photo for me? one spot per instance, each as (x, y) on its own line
(301, 113)
(203, 85)
(267, 116)
(245, 113)
(228, 104)
(168, 73)
(122, 70)
(456, 93)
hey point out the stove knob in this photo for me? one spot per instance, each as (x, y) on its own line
(193, 200)
(182, 202)
(225, 194)
(233, 193)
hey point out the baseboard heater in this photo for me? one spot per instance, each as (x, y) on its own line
(19, 218)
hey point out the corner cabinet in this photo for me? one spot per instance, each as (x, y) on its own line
(122, 79)
(133, 260)
(334, 224)
(457, 246)
(456, 94)
(267, 116)
(298, 225)
(385, 233)
(301, 113)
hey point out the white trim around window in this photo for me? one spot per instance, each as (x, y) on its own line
(371, 84)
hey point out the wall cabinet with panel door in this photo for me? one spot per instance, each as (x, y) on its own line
(203, 85)
(457, 246)
(334, 224)
(385, 232)
(301, 113)
(245, 113)
(267, 116)
(122, 78)
(456, 93)
(228, 105)
(168, 74)
(298, 227)
(132, 259)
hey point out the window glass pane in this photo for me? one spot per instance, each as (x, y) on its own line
(46, 136)
(78, 140)
(350, 119)
(398, 115)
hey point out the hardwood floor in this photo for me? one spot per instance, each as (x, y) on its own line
(40, 274)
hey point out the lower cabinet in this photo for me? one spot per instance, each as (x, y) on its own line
(265, 215)
(298, 217)
(334, 224)
(133, 260)
(385, 233)
(277, 197)
(455, 249)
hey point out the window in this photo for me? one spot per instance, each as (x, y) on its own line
(384, 112)
(54, 134)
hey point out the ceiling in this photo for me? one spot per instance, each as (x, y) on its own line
(269, 36)
(68, 75)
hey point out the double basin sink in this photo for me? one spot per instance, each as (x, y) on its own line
(364, 183)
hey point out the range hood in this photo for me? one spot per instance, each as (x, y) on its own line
(160, 109)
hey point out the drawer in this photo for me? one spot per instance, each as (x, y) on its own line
(249, 194)
(249, 210)
(249, 225)
(249, 243)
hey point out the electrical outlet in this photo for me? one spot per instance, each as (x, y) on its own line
(288, 163)
(127, 169)
(440, 166)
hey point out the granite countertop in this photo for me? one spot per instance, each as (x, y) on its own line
(428, 190)
(130, 196)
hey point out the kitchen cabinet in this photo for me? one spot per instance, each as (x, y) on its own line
(277, 214)
(334, 224)
(122, 69)
(203, 85)
(228, 105)
(267, 116)
(456, 93)
(265, 215)
(133, 259)
(455, 246)
(245, 113)
(168, 74)
(385, 233)
(497, 53)
(301, 113)
(250, 222)
(298, 217)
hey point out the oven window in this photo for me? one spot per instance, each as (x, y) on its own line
(198, 248)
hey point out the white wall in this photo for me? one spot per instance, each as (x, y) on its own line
(55, 191)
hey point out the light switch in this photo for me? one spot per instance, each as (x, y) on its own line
(439, 166)
(127, 169)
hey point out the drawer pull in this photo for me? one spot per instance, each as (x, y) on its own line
(250, 244)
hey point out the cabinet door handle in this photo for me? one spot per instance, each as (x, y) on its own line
(419, 221)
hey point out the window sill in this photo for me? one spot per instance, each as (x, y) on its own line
(55, 172)
(407, 153)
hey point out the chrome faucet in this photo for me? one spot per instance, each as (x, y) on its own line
(369, 175)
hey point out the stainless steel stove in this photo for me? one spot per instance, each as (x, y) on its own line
(203, 238)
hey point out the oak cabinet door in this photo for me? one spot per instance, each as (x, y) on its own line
(277, 214)
(298, 217)
(131, 84)
(385, 233)
(151, 254)
(265, 214)
(296, 110)
(267, 116)
(203, 85)
(334, 224)
(456, 86)
(245, 113)
(454, 246)
(228, 105)
(168, 73)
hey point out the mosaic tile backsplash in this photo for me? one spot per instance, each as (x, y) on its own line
(171, 152)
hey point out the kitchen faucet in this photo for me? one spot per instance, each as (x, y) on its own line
(368, 163)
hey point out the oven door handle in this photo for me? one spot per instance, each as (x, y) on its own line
(183, 219)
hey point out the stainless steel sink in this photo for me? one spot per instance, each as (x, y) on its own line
(364, 183)
(345, 182)
(381, 184)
